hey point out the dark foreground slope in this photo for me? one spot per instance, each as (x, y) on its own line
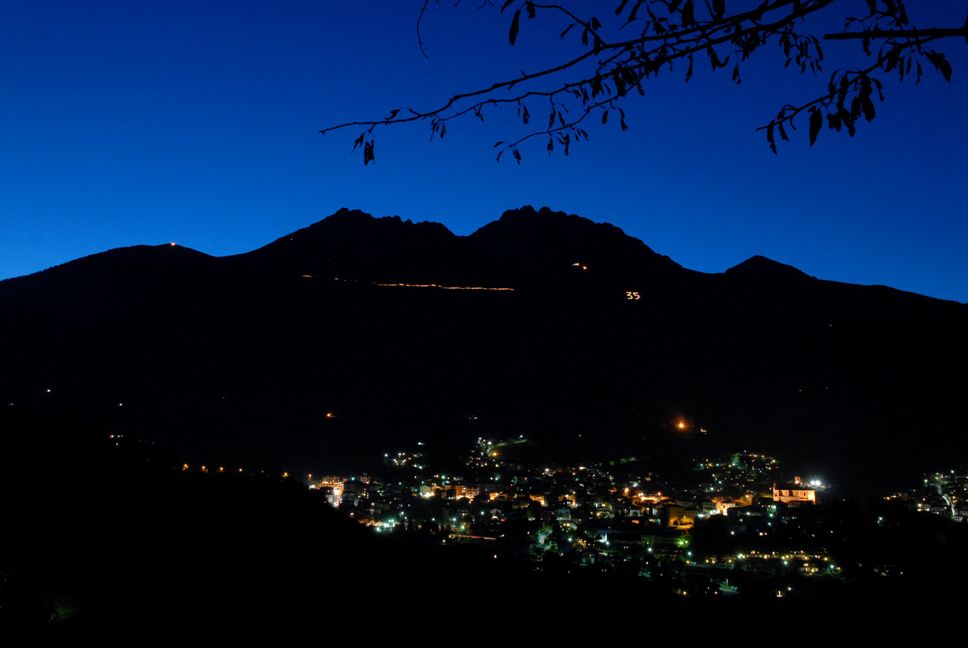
(600, 345)
(104, 538)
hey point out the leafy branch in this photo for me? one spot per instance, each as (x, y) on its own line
(850, 93)
(643, 38)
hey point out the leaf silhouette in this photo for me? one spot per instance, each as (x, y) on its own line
(515, 25)
(816, 123)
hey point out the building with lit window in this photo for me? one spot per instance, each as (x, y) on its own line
(796, 492)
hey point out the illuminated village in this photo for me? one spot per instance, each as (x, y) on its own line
(737, 526)
(943, 493)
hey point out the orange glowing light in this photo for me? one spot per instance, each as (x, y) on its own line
(680, 424)
(444, 287)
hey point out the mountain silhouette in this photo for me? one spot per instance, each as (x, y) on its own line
(758, 265)
(540, 323)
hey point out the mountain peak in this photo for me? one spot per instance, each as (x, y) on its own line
(544, 238)
(345, 219)
(355, 227)
(528, 212)
(758, 265)
(545, 218)
(345, 214)
(354, 243)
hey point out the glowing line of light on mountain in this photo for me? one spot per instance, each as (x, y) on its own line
(443, 287)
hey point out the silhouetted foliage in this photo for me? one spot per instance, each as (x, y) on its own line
(616, 54)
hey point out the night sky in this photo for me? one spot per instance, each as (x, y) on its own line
(193, 121)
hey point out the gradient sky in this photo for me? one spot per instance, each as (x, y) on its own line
(194, 121)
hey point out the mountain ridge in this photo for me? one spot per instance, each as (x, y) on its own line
(347, 227)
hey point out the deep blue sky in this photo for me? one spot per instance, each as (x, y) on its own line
(195, 121)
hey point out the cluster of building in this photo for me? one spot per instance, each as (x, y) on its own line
(941, 493)
(722, 531)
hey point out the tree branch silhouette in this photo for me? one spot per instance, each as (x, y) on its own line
(606, 70)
